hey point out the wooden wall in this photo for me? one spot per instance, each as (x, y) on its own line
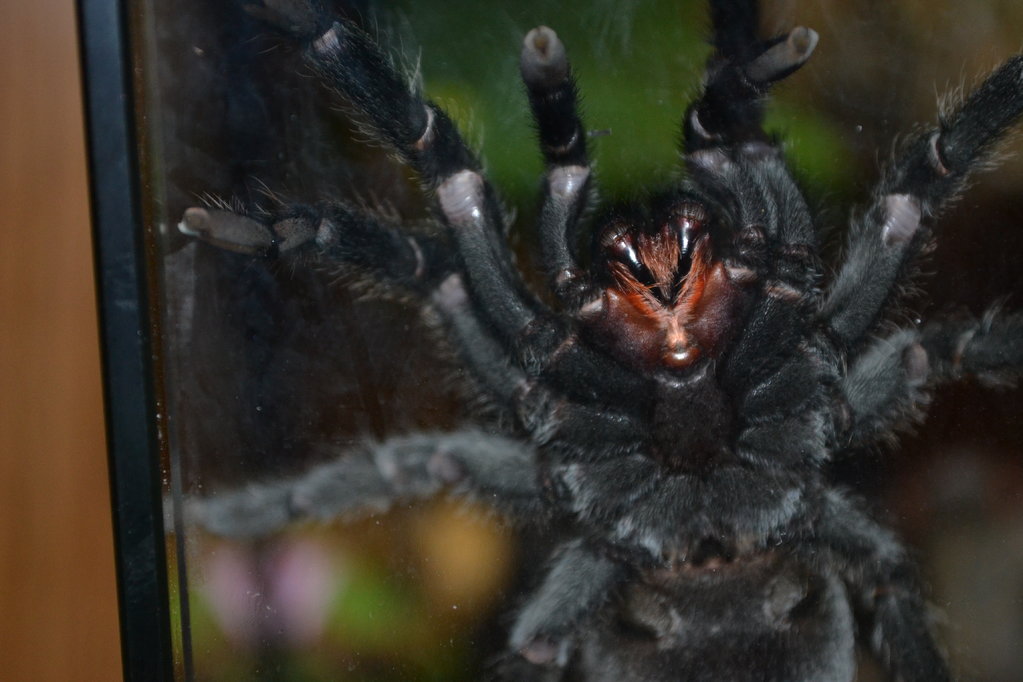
(58, 611)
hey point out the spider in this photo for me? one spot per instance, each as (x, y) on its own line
(674, 403)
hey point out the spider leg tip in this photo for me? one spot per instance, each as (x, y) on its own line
(784, 58)
(803, 41)
(193, 221)
(544, 62)
(543, 650)
(229, 230)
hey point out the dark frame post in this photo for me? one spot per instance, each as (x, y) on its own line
(127, 344)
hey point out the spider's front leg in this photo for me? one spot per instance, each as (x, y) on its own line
(930, 171)
(553, 99)
(730, 156)
(742, 69)
(423, 135)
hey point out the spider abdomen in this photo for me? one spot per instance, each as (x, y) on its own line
(770, 618)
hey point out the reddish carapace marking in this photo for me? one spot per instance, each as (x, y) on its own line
(670, 302)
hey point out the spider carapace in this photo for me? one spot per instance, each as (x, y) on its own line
(672, 404)
(670, 300)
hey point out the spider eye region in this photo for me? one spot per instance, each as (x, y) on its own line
(668, 299)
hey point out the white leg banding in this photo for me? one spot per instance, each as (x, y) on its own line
(935, 156)
(426, 139)
(461, 198)
(694, 121)
(451, 294)
(782, 291)
(326, 234)
(567, 181)
(420, 259)
(713, 160)
(329, 42)
(902, 218)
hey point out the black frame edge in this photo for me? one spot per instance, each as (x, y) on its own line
(126, 338)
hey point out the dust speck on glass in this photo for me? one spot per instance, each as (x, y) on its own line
(615, 388)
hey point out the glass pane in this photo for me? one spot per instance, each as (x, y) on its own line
(272, 366)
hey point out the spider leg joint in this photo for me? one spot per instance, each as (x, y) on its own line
(902, 218)
(461, 198)
(567, 181)
(330, 41)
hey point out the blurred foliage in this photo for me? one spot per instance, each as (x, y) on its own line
(400, 595)
(637, 64)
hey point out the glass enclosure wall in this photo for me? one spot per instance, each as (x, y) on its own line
(270, 366)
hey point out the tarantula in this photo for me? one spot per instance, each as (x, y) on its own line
(678, 404)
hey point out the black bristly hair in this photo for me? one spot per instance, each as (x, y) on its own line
(677, 406)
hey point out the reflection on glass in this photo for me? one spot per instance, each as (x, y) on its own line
(270, 368)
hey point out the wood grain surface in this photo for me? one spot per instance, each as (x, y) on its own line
(58, 610)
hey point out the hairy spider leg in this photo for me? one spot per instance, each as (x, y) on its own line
(888, 383)
(578, 582)
(740, 71)
(425, 137)
(371, 478)
(884, 587)
(418, 263)
(884, 388)
(988, 349)
(925, 176)
(550, 418)
(349, 62)
(553, 99)
(341, 233)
